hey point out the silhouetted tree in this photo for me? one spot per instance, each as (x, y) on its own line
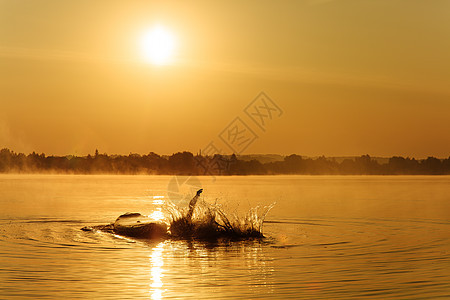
(182, 162)
(186, 163)
(432, 165)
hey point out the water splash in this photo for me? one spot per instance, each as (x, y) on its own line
(209, 221)
(203, 221)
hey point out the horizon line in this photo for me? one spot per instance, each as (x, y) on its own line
(229, 154)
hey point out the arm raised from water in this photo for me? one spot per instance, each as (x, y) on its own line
(192, 204)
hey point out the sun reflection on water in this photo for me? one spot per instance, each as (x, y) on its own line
(157, 262)
(157, 214)
(158, 200)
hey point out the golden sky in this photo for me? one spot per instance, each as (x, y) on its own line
(351, 77)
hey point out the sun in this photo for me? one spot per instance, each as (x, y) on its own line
(157, 46)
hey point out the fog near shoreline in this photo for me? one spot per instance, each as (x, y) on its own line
(186, 163)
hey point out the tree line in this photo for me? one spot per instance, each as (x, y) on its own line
(186, 163)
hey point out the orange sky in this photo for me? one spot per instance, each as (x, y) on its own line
(351, 77)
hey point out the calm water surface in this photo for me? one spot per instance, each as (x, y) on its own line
(328, 237)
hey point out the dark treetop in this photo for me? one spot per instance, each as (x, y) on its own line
(186, 163)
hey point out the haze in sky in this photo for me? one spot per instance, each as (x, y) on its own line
(350, 77)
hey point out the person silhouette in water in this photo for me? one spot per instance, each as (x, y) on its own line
(192, 204)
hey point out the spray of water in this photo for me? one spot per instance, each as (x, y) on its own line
(200, 220)
(209, 221)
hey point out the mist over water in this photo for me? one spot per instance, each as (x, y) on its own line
(339, 237)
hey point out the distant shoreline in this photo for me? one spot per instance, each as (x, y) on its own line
(186, 163)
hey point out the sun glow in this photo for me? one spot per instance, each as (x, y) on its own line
(157, 262)
(157, 46)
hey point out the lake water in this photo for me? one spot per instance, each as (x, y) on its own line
(327, 237)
